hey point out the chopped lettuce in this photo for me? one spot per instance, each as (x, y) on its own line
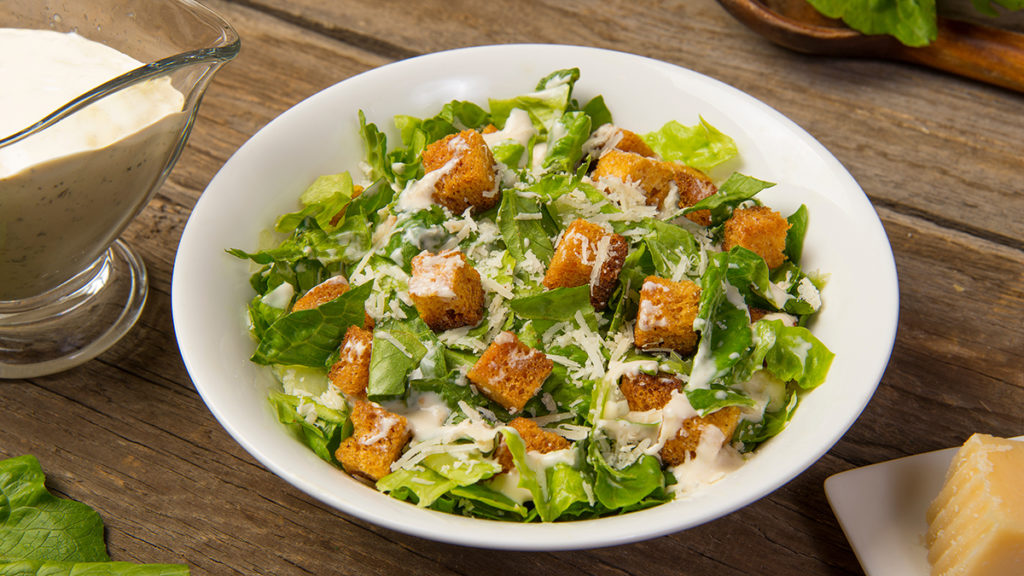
(309, 337)
(545, 183)
(550, 100)
(701, 146)
(322, 429)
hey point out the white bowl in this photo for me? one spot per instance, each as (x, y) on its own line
(320, 136)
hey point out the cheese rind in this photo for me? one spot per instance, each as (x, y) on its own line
(976, 524)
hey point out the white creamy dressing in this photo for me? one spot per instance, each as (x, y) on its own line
(508, 484)
(677, 411)
(279, 297)
(714, 459)
(65, 192)
(767, 392)
(518, 129)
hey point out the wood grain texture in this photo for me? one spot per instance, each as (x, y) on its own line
(940, 157)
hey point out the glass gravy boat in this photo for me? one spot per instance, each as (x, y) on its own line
(69, 289)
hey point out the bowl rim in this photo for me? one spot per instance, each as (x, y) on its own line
(614, 530)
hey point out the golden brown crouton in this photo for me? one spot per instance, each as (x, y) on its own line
(377, 439)
(351, 373)
(534, 437)
(587, 254)
(510, 372)
(652, 176)
(685, 442)
(632, 142)
(446, 290)
(666, 314)
(759, 229)
(489, 129)
(322, 293)
(469, 182)
(693, 186)
(645, 392)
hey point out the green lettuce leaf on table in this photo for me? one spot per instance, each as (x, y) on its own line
(41, 534)
(912, 22)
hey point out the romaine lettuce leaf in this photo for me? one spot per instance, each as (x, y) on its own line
(43, 535)
(375, 147)
(791, 353)
(559, 304)
(324, 199)
(749, 273)
(414, 233)
(324, 434)
(464, 470)
(624, 488)
(701, 146)
(547, 103)
(669, 245)
(36, 568)
(795, 236)
(554, 488)
(736, 190)
(750, 434)
(397, 349)
(36, 525)
(309, 337)
(724, 326)
(708, 400)
(564, 153)
(420, 485)
(481, 501)
(520, 234)
(912, 22)
(598, 112)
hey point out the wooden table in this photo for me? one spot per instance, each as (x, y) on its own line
(941, 158)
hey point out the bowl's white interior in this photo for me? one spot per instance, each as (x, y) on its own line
(320, 135)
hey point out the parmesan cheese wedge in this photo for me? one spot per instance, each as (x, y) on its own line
(976, 524)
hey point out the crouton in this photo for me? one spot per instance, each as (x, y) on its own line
(534, 437)
(652, 176)
(759, 229)
(665, 317)
(587, 254)
(645, 392)
(468, 180)
(510, 372)
(632, 142)
(684, 443)
(351, 373)
(323, 293)
(693, 186)
(446, 290)
(377, 440)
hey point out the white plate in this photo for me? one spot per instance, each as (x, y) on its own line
(882, 507)
(320, 136)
